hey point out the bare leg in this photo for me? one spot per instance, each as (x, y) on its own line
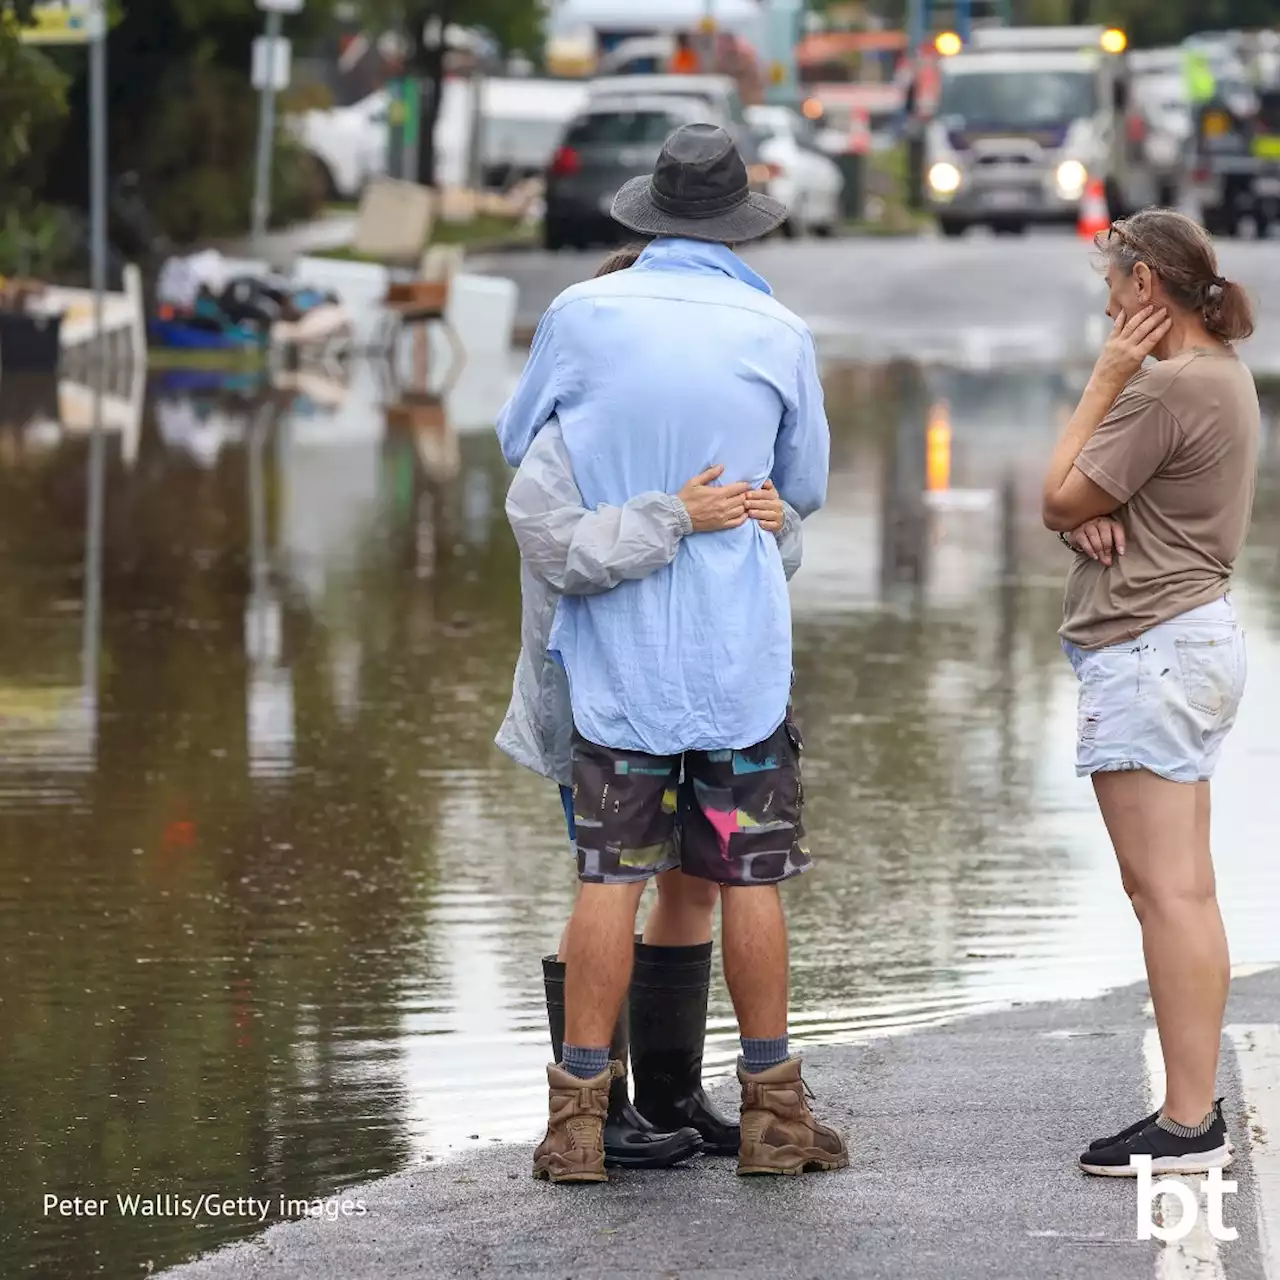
(684, 911)
(597, 956)
(1160, 831)
(755, 958)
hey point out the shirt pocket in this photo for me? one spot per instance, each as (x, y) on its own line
(1208, 670)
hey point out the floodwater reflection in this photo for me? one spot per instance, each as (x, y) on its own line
(271, 904)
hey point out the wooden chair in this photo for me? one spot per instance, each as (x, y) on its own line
(423, 301)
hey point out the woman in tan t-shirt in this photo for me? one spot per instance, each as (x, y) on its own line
(1154, 479)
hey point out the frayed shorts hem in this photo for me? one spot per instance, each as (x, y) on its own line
(1137, 766)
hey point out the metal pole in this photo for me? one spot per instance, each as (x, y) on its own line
(98, 170)
(91, 635)
(266, 130)
(97, 354)
(916, 25)
(259, 425)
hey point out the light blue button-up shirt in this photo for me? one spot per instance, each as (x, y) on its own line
(655, 374)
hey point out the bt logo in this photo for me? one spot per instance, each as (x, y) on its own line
(1214, 1188)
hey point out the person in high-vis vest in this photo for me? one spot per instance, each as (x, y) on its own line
(1198, 77)
(685, 60)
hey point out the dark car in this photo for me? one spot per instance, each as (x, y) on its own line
(610, 141)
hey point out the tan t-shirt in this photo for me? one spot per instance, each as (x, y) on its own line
(1179, 449)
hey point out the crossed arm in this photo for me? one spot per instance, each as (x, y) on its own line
(577, 551)
(1117, 435)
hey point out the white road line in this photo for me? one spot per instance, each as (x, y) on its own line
(1195, 1256)
(1258, 1052)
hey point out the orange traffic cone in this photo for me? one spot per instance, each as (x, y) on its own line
(1093, 217)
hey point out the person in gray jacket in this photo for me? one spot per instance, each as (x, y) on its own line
(566, 549)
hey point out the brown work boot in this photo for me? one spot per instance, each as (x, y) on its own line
(779, 1133)
(573, 1150)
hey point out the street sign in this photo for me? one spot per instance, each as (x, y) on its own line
(272, 63)
(781, 34)
(63, 22)
(280, 6)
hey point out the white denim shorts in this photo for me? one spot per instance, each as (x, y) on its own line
(1165, 701)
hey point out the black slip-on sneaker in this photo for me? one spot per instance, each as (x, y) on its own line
(1169, 1153)
(1124, 1134)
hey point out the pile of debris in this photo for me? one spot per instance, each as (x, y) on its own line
(522, 203)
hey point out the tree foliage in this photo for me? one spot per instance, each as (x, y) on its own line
(1147, 22)
(33, 102)
(1151, 22)
(514, 24)
(165, 60)
(33, 96)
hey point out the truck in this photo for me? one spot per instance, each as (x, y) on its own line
(1234, 160)
(1027, 118)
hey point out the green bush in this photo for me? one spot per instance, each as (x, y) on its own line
(198, 161)
(306, 95)
(33, 102)
(35, 241)
(33, 99)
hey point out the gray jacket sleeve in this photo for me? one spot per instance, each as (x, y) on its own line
(791, 540)
(576, 551)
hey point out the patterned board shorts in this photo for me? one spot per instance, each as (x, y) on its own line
(733, 817)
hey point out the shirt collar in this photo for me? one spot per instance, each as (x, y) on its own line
(699, 257)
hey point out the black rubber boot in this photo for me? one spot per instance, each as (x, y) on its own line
(669, 990)
(630, 1141)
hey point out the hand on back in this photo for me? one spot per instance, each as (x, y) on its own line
(713, 507)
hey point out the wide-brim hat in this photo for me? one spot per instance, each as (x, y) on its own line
(699, 190)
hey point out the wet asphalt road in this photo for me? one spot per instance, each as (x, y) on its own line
(962, 1141)
(983, 300)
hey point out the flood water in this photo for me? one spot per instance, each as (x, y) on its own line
(271, 904)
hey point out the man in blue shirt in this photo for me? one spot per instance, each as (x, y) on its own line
(685, 754)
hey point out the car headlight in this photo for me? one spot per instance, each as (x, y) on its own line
(1071, 178)
(944, 178)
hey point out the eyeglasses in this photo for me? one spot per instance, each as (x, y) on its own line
(1127, 240)
(1121, 233)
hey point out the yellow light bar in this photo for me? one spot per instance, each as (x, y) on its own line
(948, 44)
(1113, 40)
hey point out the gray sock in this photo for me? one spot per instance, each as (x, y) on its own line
(586, 1064)
(760, 1055)
(1185, 1130)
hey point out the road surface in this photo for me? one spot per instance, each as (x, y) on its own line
(963, 1140)
(982, 301)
